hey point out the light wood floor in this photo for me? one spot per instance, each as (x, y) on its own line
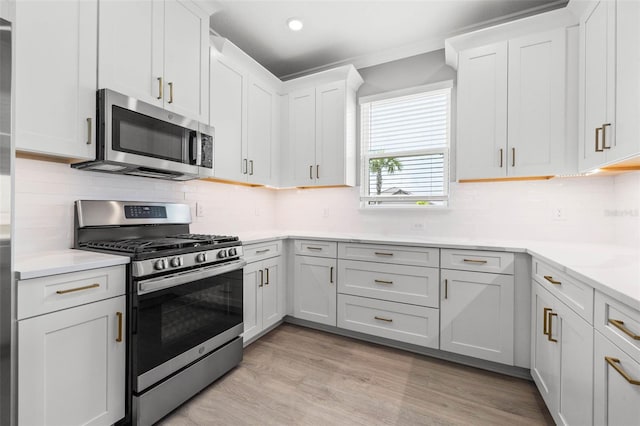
(299, 376)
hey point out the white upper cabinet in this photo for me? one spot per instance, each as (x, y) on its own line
(157, 52)
(244, 110)
(609, 84)
(55, 84)
(321, 145)
(512, 107)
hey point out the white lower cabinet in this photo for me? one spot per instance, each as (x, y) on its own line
(315, 289)
(562, 358)
(262, 295)
(72, 366)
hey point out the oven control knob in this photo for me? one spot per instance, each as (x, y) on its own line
(201, 257)
(176, 261)
(160, 264)
(222, 254)
(232, 252)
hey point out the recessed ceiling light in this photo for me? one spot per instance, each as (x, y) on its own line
(294, 24)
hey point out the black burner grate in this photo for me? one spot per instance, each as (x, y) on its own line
(150, 245)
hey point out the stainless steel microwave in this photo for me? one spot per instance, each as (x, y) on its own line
(140, 139)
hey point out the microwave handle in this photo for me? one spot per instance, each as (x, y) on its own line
(195, 147)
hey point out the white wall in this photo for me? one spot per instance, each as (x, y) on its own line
(625, 213)
(45, 193)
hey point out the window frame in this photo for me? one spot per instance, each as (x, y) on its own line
(446, 87)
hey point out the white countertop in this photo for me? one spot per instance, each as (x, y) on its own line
(610, 269)
(63, 261)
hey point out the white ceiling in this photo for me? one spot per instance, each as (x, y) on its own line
(362, 32)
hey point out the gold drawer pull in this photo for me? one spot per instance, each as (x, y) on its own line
(261, 278)
(604, 136)
(119, 315)
(71, 290)
(614, 363)
(266, 270)
(383, 319)
(551, 280)
(382, 253)
(313, 248)
(159, 87)
(598, 130)
(383, 282)
(170, 92)
(544, 322)
(620, 324)
(482, 262)
(262, 251)
(551, 315)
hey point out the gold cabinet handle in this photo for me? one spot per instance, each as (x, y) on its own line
(551, 315)
(261, 278)
(598, 130)
(262, 251)
(482, 262)
(311, 172)
(159, 87)
(383, 319)
(119, 316)
(89, 131)
(501, 157)
(317, 171)
(513, 157)
(620, 325)
(170, 92)
(266, 270)
(251, 167)
(604, 136)
(313, 248)
(383, 282)
(331, 275)
(614, 363)
(245, 169)
(551, 280)
(382, 253)
(71, 290)
(446, 289)
(544, 322)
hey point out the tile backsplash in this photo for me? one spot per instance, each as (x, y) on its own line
(594, 209)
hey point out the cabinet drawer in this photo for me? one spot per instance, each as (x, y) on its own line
(477, 261)
(618, 322)
(316, 248)
(416, 256)
(260, 251)
(575, 294)
(406, 323)
(47, 294)
(398, 283)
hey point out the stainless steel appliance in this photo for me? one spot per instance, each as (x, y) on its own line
(7, 284)
(136, 138)
(185, 300)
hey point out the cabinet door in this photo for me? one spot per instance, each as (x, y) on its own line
(627, 136)
(226, 114)
(186, 61)
(302, 136)
(315, 289)
(330, 134)
(545, 355)
(72, 368)
(56, 77)
(131, 49)
(476, 315)
(575, 338)
(598, 73)
(271, 305)
(482, 112)
(260, 105)
(253, 283)
(536, 105)
(616, 399)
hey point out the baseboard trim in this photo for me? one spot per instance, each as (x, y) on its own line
(513, 371)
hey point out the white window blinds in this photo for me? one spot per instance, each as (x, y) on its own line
(405, 148)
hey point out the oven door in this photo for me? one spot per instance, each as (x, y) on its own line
(180, 318)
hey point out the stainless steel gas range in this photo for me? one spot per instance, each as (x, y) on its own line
(184, 299)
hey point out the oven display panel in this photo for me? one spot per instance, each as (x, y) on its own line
(145, 212)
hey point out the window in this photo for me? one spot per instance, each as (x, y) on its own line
(405, 147)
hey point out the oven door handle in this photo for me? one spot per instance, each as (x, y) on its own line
(168, 281)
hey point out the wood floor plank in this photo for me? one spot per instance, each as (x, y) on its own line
(299, 376)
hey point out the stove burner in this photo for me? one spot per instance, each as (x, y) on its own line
(149, 245)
